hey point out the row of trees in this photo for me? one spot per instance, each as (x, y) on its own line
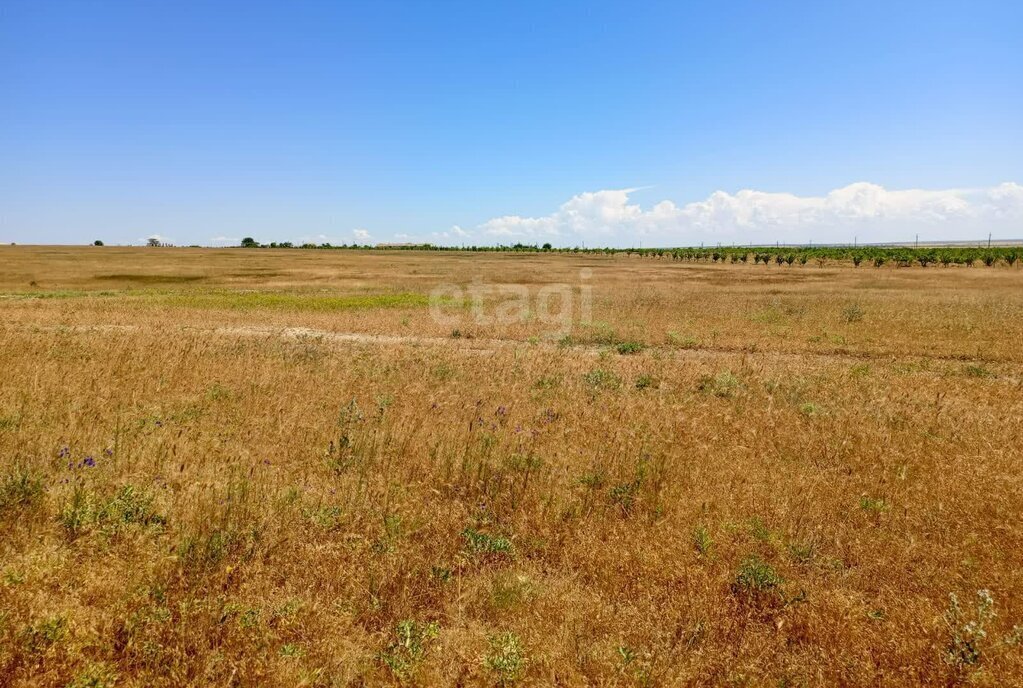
(876, 256)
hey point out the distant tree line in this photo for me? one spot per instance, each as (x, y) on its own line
(875, 256)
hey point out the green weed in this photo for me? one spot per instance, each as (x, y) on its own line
(479, 544)
(411, 640)
(756, 576)
(629, 348)
(507, 658)
(724, 385)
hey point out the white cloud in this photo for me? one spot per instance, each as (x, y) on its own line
(1007, 200)
(361, 234)
(314, 239)
(864, 210)
(455, 235)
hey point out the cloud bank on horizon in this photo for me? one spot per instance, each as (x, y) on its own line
(862, 211)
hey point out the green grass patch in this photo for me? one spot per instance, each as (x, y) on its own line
(978, 371)
(628, 348)
(239, 300)
(292, 302)
(148, 278)
(59, 294)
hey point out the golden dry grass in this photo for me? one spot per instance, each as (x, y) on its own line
(277, 468)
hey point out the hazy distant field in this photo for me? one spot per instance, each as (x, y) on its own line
(230, 467)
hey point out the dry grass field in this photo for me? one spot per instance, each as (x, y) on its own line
(297, 468)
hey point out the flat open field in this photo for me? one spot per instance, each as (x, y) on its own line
(257, 467)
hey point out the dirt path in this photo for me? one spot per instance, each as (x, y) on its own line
(490, 346)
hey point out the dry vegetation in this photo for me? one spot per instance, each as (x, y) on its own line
(735, 475)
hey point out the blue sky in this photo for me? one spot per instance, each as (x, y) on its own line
(481, 122)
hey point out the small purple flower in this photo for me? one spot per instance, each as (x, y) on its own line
(64, 451)
(501, 410)
(518, 428)
(89, 461)
(108, 452)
